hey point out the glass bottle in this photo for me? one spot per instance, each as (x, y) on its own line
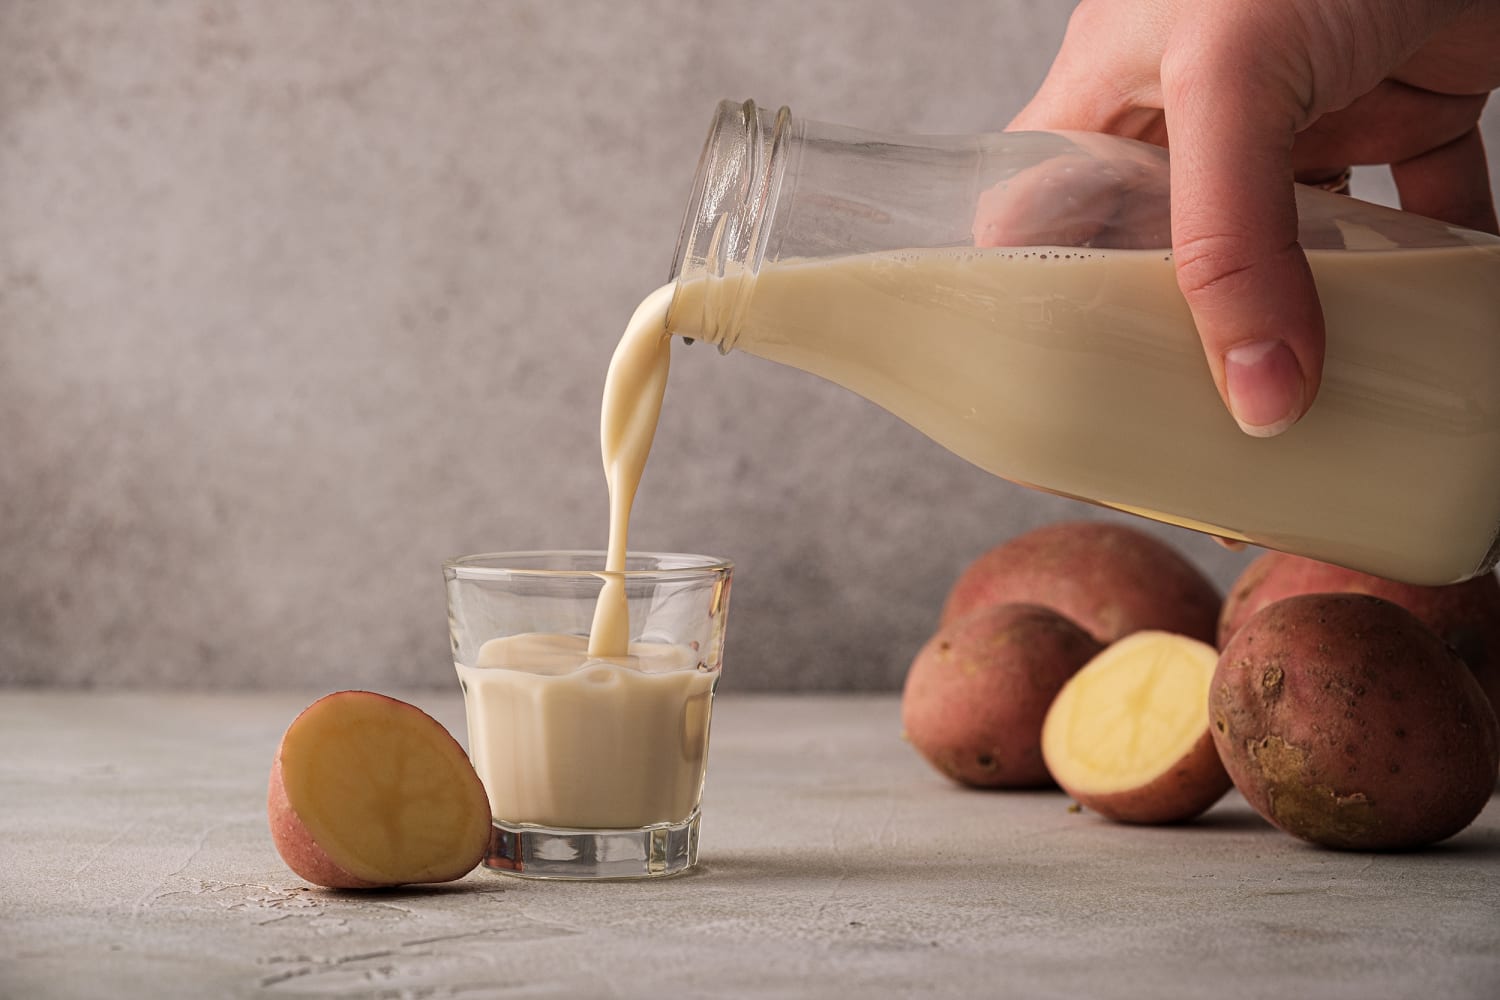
(1012, 296)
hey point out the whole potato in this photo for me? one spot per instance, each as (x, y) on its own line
(1345, 721)
(1464, 615)
(977, 693)
(1110, 579)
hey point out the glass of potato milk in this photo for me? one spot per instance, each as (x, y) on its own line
(593, 756)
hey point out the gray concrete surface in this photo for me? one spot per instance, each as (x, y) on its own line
(135, 862)
(299, 298)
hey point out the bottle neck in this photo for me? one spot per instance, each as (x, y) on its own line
(728, 222)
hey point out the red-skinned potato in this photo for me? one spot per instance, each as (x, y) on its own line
(1110, 579)
(1347, 722)
(367, 791)
(1128, 735)
(977, 692)
(1464, 615)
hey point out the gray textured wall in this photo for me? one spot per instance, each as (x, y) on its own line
(298, 298)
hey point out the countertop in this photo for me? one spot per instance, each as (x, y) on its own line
(135, 861)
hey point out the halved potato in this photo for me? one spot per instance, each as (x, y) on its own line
(1128, 735)
(368, 791)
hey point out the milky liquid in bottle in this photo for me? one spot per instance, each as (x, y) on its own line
(1079, 371)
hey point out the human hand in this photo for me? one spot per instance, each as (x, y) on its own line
(1104, 192)
(1252, 93)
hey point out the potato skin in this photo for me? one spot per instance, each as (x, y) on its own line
(296, 845)
(1345, 721)
(978, 691)
(1464, 615)
(1111, 579)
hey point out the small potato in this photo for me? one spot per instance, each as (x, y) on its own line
(1128, 734)
(367, 791)
(1464, 615)
(978, 690)
(1345, 721)
(1110, 579)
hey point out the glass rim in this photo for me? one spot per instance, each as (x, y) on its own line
(491, 565)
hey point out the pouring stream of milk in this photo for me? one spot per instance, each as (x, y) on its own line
(633, 390)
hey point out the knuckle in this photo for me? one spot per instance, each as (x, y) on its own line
(1193, 66)
(1208, 261)
(1088, 17)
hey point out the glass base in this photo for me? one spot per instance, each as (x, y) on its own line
(546, 853)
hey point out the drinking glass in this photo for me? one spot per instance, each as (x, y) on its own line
(594, 765)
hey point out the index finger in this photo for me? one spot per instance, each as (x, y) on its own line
(1234, 238)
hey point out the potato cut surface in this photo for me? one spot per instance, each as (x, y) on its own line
(380, 787)
(1131, 713)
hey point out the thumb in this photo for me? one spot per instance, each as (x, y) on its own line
(1234, 239)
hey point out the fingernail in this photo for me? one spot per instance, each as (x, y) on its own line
(1264, 385)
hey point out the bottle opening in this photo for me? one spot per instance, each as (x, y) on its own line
(728, 219)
